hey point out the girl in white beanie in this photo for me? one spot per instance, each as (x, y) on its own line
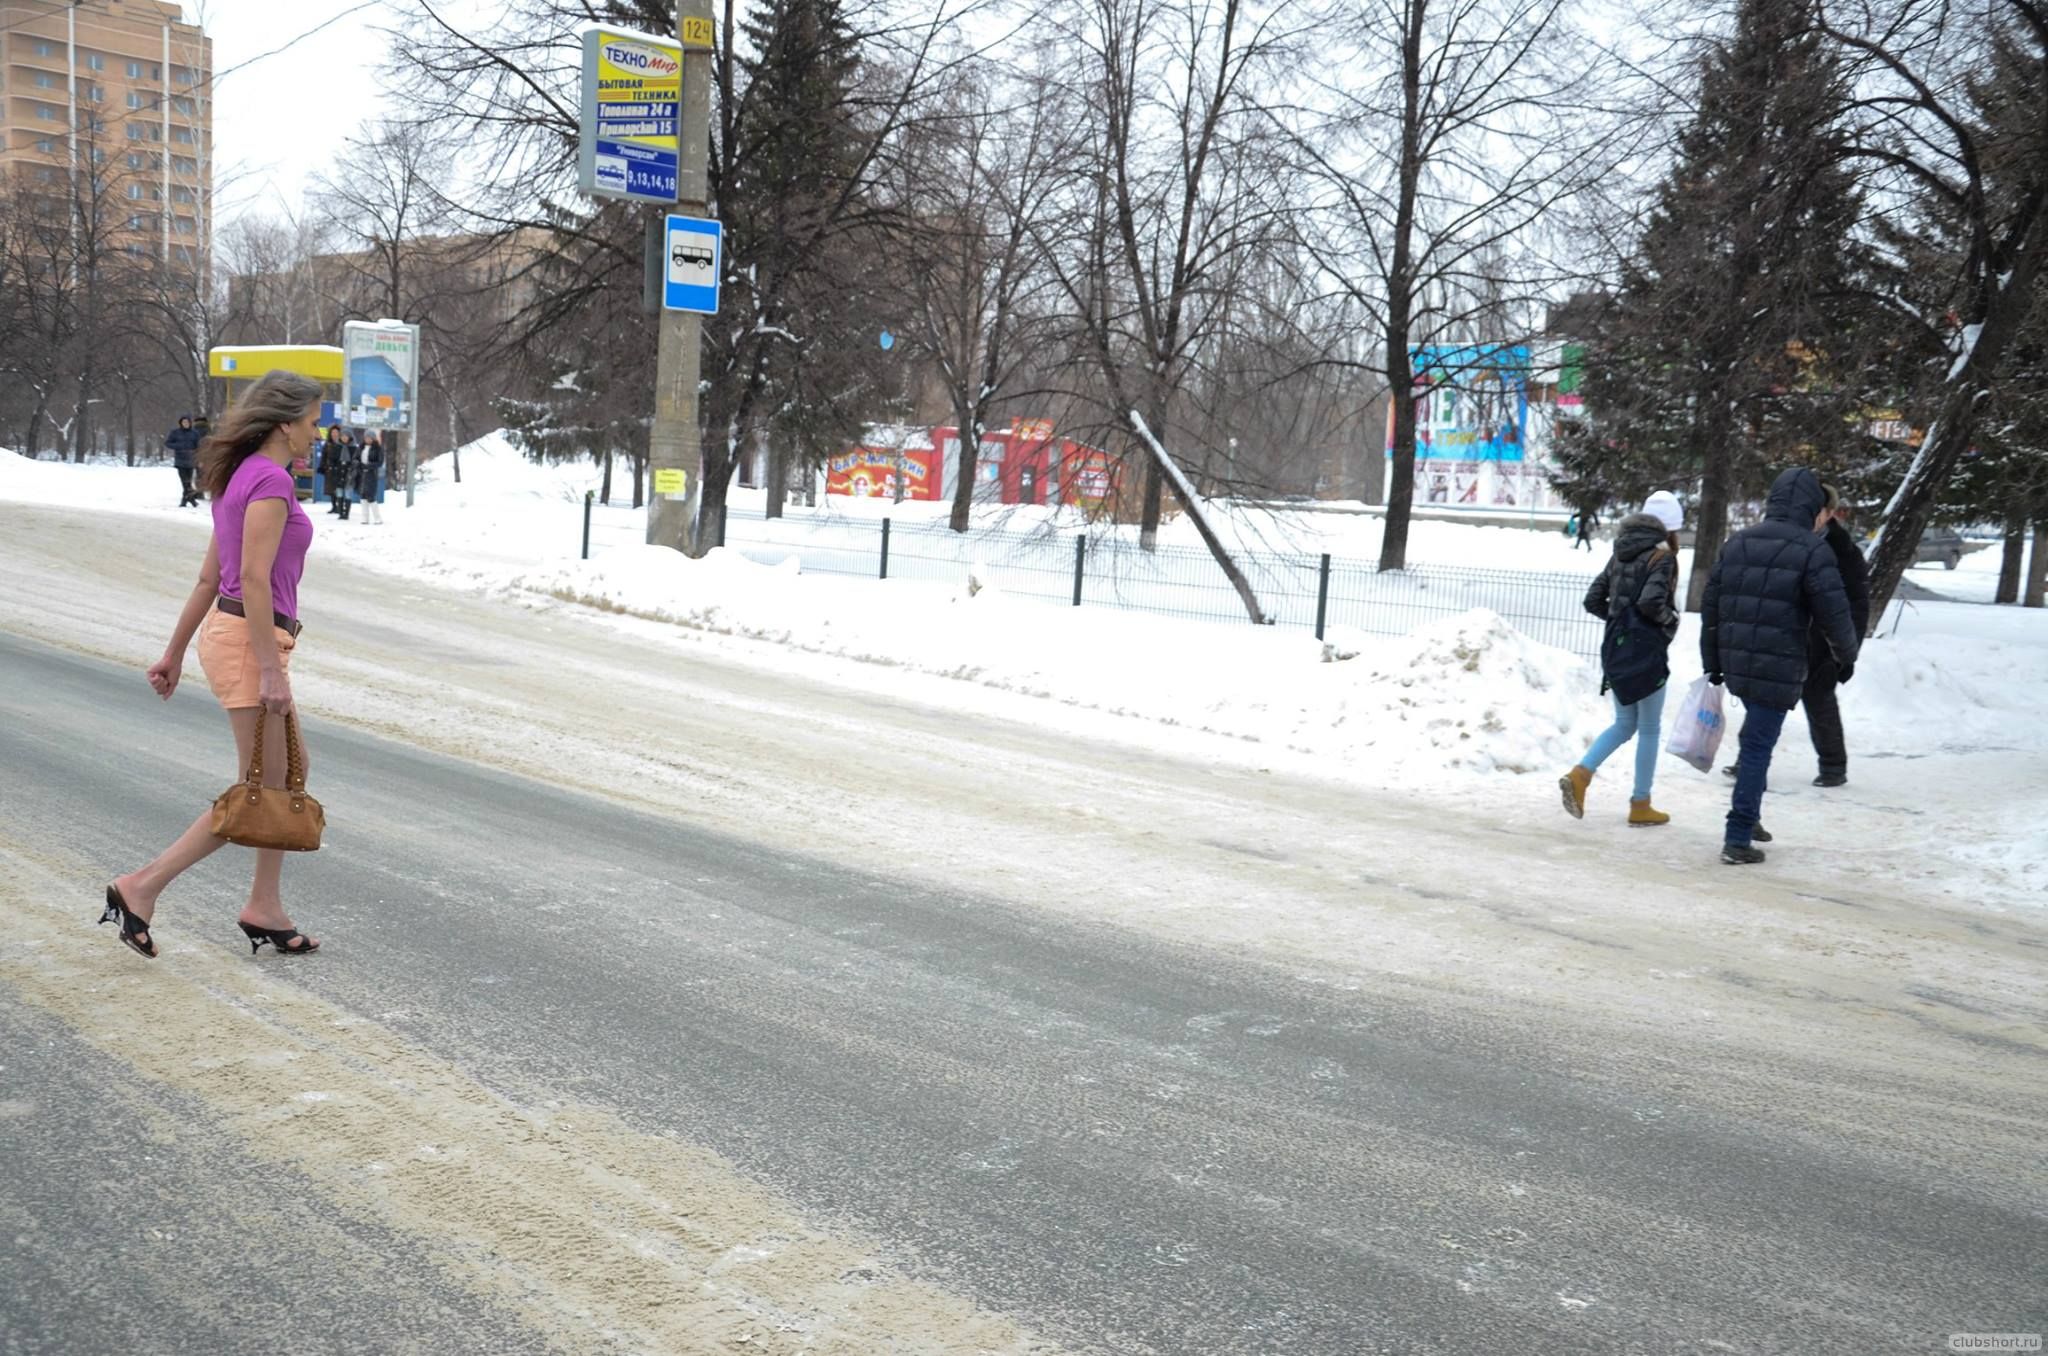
(1634, 596)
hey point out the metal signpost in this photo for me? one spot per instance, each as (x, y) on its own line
(380, 380)
(646, 135)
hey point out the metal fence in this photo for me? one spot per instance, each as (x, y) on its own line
(1068, 568)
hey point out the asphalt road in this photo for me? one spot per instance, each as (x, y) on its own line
(1074, 1137)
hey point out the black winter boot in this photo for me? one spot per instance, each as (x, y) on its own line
(1741, 856)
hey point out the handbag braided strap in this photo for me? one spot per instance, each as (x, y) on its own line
(294, 756)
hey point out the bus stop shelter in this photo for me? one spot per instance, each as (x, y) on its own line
(236, 364)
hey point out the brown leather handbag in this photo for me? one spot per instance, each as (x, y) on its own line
(259, 816)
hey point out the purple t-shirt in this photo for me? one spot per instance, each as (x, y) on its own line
(261, 478)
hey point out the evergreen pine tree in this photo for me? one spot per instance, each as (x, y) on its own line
(1720, 358)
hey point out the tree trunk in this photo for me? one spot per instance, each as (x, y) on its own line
(778, 479)
(129, 393)
(1200, 519)
(968, 429)
(1153, 505)
(639, 482)
(2037, 565)
(718, 474)
(1401, 298)
(2009, 569)
(604, 489)
(1710, 531)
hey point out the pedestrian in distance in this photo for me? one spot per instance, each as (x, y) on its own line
(1823, 708)
(244, 611)
(345, 465)
(370, 479)
(1634, 596)
(1773, 584)
(1584, 526)
(182, 443)
(329, 466)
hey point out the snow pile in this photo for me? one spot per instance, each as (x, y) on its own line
(1469, 692)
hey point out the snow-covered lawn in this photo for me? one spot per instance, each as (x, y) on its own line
(1948, 717)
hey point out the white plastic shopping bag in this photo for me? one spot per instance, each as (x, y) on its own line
(1696, 729)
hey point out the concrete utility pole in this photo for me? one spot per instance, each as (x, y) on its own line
(675, 443)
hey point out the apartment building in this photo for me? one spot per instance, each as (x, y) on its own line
(111, 102)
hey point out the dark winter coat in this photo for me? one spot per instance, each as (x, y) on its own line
(1772, 585)
(183, 445)
(330, 460)
(1855, 582)
(1639, 577)
(368, 471)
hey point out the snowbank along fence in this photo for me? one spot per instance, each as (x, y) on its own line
(1314, 592)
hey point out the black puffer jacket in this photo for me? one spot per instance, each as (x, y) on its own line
(1855, 582)
(1629, 576)
(1772, 584)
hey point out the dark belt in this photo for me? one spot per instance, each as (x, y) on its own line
(233, 607)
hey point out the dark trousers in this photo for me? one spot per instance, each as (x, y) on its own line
(1824, 714)
(186, 494)
(1761, 726)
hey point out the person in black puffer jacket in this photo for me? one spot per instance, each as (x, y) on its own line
(1772, 585)
(1633, 595)
(182, 443)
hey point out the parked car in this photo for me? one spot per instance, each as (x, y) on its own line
(1940, 544)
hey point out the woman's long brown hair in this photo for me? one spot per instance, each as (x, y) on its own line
(277, 399)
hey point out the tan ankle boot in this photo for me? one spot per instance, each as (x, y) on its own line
(1641, 814)
(1573, 784)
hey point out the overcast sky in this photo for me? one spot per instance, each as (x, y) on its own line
(278, 120)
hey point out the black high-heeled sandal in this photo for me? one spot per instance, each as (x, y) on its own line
(280, 940)
(134, 930)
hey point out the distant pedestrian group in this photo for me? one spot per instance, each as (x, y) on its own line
(1784, 614)
(351, 472)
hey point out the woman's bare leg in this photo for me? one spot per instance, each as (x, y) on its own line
(141, 888)
(266, 902)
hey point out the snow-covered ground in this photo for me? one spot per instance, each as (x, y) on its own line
(1948, 717)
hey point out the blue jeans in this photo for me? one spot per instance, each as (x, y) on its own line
(1761, 726)
(1639, 722)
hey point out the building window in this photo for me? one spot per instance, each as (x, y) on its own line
(46, 146)
(135, 160)
(135, 192)
(135, 223)
(46, 175)
(134, 99)
(182, 135)
(183, 195)
(95, 62)
(44, 49)
(48, 114)
(134, 70)
(45, 80)
(182, 105)
(184, 165)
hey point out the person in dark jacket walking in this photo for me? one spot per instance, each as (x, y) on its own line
(182, 443)
(1773, 584)
(1823, 711)
(1633, 595)
(1823, 675)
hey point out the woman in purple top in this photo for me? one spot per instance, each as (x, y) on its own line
(245, 612)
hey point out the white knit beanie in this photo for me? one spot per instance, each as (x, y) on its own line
(1664, 507)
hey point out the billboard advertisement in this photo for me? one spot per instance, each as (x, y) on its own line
(871, 470)
(629, 145)
(1472, 427)
(380, 375)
